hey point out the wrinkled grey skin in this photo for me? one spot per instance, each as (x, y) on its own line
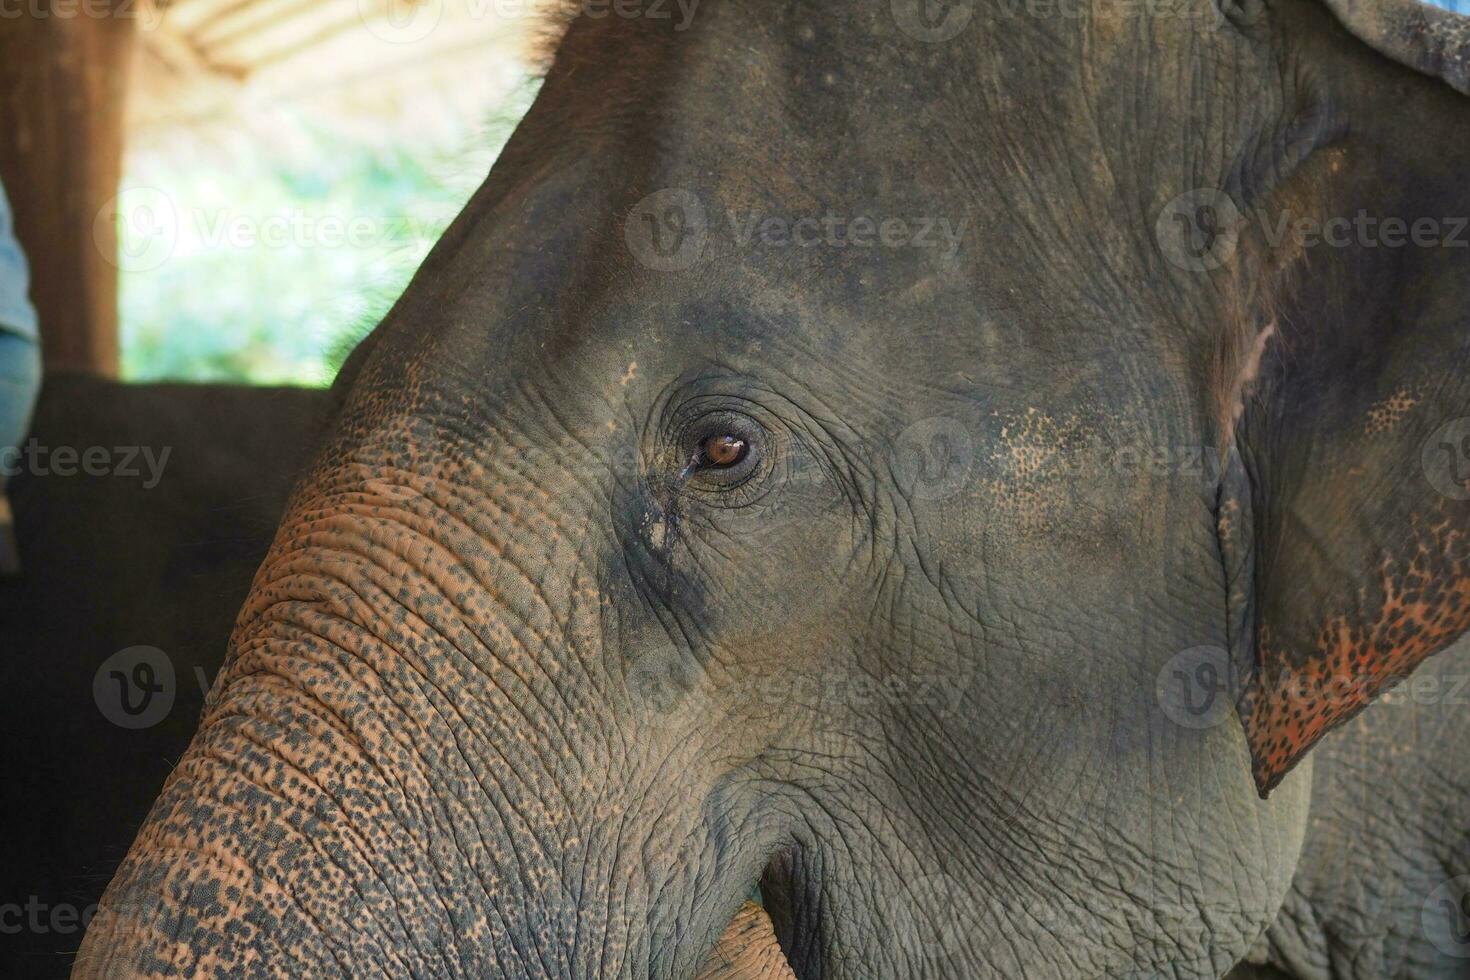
(521, 693)
(1384, 837)
(1385, 834)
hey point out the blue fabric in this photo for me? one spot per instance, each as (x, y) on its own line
(20, 380)
(20, 352)
(17, 316)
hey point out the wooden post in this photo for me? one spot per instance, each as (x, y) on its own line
(64, 66)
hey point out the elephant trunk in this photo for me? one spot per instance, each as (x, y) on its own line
(422, 760)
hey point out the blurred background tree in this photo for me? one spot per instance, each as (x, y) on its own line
(288, 167)
(278, 262)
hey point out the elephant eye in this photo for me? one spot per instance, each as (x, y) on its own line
(722, 451)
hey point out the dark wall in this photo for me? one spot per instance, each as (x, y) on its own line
(112, 564)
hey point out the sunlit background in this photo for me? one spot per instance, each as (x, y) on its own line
(288, 167)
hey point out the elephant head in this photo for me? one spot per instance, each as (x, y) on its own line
(874, 452)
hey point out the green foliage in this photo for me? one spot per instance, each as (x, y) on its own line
(268, 267)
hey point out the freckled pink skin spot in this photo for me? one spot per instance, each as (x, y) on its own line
(1421, 605)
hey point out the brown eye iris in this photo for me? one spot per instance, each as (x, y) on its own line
(723, 451)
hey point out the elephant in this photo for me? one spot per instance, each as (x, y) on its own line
(155, 559)
(938, 469)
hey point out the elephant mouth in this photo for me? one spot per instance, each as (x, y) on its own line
(749, 948)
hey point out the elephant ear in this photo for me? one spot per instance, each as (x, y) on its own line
(1427, 39)
(1354, 425)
